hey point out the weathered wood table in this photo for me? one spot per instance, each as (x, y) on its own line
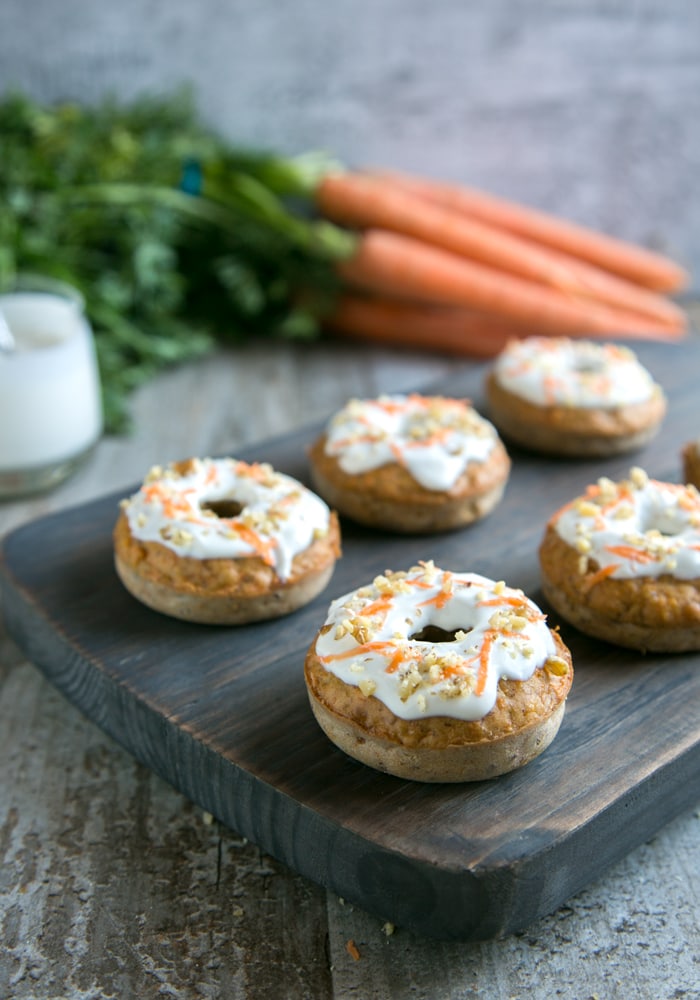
(114, 884)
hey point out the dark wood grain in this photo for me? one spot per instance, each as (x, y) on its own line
(222, 713)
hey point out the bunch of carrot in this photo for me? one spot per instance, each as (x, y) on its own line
(447, 267)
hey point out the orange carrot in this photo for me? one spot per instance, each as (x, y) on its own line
(444, 595)
(601, 574)
(484, 654)
(363, 202)
(252, 538)
(629, 552)
(635, 263)
(378, 607)
(513, 602)
(445, 329)
(400, 265)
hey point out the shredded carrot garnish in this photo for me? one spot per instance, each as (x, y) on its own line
(172, 505)
(383, 648)
(392, 406)
(397, 654)
(614, 352)
(515, 602)
(437, 437)
(484, 654)
(604, 385)
(356, 439)
(455, 669)
(152, 492)
(285, 501)
(629, 552)
(686, 501)
(562, 510)
(441, 599)
(255, 471)
(263, 548)
(601, 574)
(396, 452)
(550, 384)
(397, 659)
(623, 493)
(378, 607)
(352, 951)
(521, 368)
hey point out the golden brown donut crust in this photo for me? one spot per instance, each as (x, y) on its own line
(221, 591)
(523, 722)
(691, 463)
(648, 613)
(519, 704)
(576, 431)
(390, 497)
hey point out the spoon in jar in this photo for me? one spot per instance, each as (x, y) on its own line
(7, 341)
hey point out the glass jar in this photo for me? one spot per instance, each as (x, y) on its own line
(50, 403)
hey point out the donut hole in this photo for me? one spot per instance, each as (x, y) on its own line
(660, 524)
(588, 366)
(225, 508)
(435, 634)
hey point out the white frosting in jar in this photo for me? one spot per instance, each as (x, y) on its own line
(433, 437)
(639, 527)
(550, 371)
(494, 631)
(277, 519)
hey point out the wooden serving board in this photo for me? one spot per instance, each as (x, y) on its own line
(223, 715)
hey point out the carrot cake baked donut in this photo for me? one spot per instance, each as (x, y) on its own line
(573, 397)
(410, 463)
(438, 676)
(622, 563)
(224, 542)
(691, 463)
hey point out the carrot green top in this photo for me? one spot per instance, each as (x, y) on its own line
(436, 643)
(227, 509)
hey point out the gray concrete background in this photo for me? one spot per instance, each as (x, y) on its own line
(111, 885)
(588, 108)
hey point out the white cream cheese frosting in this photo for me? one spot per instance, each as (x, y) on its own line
(639, 527)
(550, 371)
(433, 437)
(227, 509)
(375, 639)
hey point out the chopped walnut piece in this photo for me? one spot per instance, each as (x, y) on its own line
(638, 478)
(586, 508)
(155, 472)
(556, 666)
